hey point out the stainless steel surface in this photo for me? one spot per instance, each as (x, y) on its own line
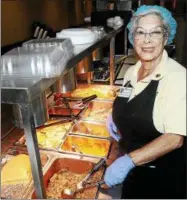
(32, 147)
(68, 81)
(85, 65)
(97, 54)
(39, 108)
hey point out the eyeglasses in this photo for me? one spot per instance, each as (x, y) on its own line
(140, 34)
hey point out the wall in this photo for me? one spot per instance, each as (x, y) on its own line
(17, 17)
(15, 21)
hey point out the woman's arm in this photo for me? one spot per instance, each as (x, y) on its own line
(157, 148)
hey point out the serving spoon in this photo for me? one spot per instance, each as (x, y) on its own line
(69, 194)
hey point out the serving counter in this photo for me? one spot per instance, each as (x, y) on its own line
(30, 93)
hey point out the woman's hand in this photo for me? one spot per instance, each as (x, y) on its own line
(112, 129)
(118, 170)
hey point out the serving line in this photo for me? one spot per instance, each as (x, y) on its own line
(29, 94)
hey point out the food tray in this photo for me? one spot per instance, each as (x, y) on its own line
(71, 172)
(90, 128)
(18, 191)
(63, 112)
(49, 136)
(94, 147)
(103, 92)
(97, 110)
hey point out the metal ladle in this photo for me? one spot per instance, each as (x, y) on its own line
(69, 194)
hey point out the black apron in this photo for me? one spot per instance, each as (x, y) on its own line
(162, 178)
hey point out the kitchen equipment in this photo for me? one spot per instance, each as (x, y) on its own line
(81, 184)
(69, 194)
(78, 35)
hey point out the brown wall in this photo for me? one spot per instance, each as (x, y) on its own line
(18, 15)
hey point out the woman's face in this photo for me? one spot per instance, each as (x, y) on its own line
(149, 39)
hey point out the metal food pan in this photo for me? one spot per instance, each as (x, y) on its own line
(48, 130)
(86, 146)
(18, 191)
(90, 128)
(60, 111)
(103, 92)
(68, 169)
(97, 110)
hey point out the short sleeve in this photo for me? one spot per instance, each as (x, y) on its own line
(175, 104)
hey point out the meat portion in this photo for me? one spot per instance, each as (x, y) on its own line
(67, 179)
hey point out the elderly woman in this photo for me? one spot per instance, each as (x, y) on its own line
(149, 114)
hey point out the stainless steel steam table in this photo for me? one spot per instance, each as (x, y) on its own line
(28, 93)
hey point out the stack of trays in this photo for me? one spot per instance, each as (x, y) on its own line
(44, 59)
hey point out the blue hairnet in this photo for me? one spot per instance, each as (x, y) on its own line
(165, 14)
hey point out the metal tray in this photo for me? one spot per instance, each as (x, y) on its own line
(90, 128)
(60, 111)
(50, 136)
(97, 110)
(18, 191)
(81, 167)
(89, 142)
(103, 92)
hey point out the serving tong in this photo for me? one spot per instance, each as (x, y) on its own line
(84, 183)
(80, 104)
